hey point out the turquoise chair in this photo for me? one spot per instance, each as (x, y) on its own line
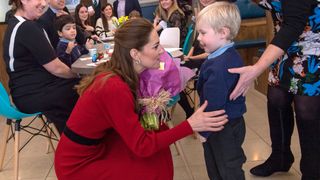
(188, 41)
(14, 116)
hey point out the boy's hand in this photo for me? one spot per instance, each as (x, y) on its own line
(70, 46)
(89, 44)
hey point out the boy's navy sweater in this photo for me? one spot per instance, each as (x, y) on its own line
(66, 58)
(215, 84)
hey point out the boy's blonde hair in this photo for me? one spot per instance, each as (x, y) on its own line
(219, 15)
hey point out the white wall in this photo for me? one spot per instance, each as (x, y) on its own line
(4, 7)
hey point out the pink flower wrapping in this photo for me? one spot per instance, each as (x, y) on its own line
(152, 81)
(157, 86)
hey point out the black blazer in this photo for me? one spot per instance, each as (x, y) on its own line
(130, 6)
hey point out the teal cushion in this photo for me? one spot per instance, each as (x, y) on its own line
(249, 9)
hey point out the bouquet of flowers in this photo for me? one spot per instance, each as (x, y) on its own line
(157, 87)
(120, 21)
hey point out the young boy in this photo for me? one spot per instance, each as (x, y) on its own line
(217, 25)
(67, 49)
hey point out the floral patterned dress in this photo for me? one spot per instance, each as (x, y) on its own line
(298, 71)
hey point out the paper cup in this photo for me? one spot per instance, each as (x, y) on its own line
(92, 52)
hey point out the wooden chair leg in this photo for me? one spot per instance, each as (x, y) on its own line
(195, 107)
(48, 144)
(173, 108)
(3, 146)
(16, 149)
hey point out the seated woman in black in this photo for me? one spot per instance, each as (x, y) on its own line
(38, 80)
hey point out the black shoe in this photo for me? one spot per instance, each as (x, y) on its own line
(271, 166)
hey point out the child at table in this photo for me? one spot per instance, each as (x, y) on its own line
(68, 50)
(218, 25)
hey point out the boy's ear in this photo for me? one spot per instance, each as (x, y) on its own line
(225, 32)
(60, 33)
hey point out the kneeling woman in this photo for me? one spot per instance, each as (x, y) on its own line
(104, 138)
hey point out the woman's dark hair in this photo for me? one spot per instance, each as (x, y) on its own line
(133, 34)
(15, 4)
(62, 21)
(104, 19)
(77, 18)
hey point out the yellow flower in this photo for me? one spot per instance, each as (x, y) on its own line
(122, 19)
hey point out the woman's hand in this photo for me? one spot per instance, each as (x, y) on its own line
(247, 75)
(89, 44)
(250, 73)
(95, 37)
(156, 19)
(89, 28)
(207, 121)
(186, 58)
(91, 11)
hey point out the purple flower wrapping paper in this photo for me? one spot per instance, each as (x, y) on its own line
(157, 86)
(152, 81)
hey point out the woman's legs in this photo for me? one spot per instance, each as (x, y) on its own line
(308, 123)
(281, 123)
(56, 102)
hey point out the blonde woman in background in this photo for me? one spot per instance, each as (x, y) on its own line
(168, 14)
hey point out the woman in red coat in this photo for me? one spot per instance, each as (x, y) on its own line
(103, 138)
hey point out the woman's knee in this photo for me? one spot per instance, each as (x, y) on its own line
(279, 98)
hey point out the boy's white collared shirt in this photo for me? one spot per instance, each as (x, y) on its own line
(220, 50)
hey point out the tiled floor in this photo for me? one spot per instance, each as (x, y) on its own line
(37, 165)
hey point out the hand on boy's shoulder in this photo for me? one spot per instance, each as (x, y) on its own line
(70, 46)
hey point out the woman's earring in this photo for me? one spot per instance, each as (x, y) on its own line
(137, 61)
